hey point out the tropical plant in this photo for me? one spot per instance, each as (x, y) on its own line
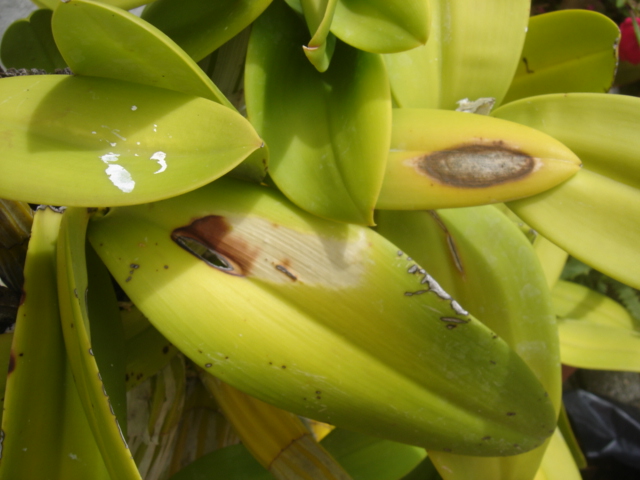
(310, 211)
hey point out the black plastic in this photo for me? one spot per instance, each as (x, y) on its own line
(605, 429)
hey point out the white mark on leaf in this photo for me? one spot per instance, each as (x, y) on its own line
(160, 158)
(118, 175)
(458, 309)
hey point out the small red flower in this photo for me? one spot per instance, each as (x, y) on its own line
(629, 49)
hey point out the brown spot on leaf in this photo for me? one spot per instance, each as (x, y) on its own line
(282, 269)
(165, 349)
(12, 363)
(209, 239)
(476, 166)
(526, 65)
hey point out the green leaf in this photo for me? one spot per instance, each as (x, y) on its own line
(123, 4)
(201, 26)
(425, 471)
(558, 462)
(472, 52)
(566, 51)
(328, 134)
(45, 433)
(319, 15)
(93, 389)
(370, 458)
(107, 334)
(101, 142)
(382, 26)
(595, 331)
(296, 6)
(601, 129)
(280, 282)
(148, 352)
(29, 43)
(363, 457)
(102, 41)
(481, 258)
(564, 428)
(6, 339)
(593, 218)
(225, 67)
(228, 463)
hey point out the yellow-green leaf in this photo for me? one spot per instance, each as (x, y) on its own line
(566, 51)
(328, 134)
(101, 142)
(29, 43)
(104, 41)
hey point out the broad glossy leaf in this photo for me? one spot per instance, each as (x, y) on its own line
(558, 463)
(595, 331)
(425, 471)
(45, 433)
(370, 458)
(228, 463)
(601, 129)
(446, 159)
(201, 26)
(363, 457)
(102, 41)
(123, 4)
(328, 134)
(592, 217)
(281, 283)
(382, 26)
(29, 43)
(566, 51)
(98, 142)
(472, 52)
(484, 261)
(93, 389)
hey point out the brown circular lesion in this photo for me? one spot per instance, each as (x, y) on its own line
(208, 238)
(476, 166)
